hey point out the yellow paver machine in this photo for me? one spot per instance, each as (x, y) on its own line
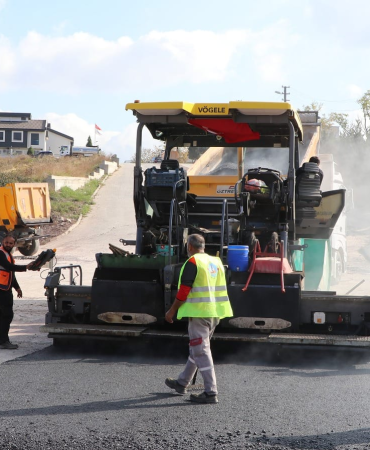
(242, 190)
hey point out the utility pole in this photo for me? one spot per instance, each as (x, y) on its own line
(285, 93)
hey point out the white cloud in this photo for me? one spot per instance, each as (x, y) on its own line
(308, 12)
(195, 56)
(59, 27)
(7, 66)
(122, 143)
(270, 47)
(82, 62)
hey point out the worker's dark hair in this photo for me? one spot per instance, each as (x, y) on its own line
(11, 235)
(197, 241)
(315, 159)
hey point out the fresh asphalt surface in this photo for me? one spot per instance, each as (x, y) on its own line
(114, 397)
(109, 397)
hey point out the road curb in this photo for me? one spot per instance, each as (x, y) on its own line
(100, 185)
(72, 227)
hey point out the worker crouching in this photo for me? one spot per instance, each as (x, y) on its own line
(202, 297)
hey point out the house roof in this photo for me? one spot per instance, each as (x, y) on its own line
(39, 125)
(12, 114)
(30, 125)
(61, 134)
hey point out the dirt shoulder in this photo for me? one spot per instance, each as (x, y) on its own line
(60, 224)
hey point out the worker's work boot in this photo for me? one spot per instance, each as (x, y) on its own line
(204, 398)
(174, 384)
(8, 346)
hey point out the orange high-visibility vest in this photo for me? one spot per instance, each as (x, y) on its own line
(6, 277)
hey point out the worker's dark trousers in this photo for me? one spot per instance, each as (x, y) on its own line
(6, 314)
(200, 356)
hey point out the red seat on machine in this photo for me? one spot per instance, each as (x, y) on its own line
(264, 262)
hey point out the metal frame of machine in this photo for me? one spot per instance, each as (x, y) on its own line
(131, 292)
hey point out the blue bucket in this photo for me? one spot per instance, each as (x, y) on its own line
(238, 258)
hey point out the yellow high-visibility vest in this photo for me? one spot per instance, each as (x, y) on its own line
(208, 296)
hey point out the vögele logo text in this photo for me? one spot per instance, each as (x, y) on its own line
(212, 110)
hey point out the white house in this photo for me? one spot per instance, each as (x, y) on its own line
(18, 132)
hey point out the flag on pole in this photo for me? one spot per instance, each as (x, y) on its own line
(98, 130)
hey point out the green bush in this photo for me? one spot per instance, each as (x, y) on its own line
(11, 177)
(70, 203)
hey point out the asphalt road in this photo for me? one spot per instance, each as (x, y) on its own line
(115, 398)
(110, 397)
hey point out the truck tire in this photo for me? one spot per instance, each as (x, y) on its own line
(32, 249)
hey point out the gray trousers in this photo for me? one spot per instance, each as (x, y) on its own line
(200, 356)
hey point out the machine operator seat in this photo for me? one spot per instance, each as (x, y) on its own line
(170, 164)
(308, 183)
(272, 179)
(162, 185)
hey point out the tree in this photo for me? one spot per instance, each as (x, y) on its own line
(328, 122)
(89, 142)
(364, 101)
(147, 155)
(314, 106)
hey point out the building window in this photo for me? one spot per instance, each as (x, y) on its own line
(17, 136)
(35, 139)
(2, 135)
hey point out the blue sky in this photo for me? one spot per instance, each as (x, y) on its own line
(77, 64)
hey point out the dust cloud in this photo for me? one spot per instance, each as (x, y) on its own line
(352, 158)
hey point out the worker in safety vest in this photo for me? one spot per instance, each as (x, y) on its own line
(202, 297)
(7, 282)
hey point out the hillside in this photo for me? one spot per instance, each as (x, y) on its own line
(25, 169)
(66, 204)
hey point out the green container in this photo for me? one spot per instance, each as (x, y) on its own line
(107, 260)
(317, 265)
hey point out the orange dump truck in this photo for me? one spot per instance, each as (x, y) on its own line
(24, 208)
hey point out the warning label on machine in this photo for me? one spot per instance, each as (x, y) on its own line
(228, 189)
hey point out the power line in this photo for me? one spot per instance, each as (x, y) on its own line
(285, 93)
(322, 100)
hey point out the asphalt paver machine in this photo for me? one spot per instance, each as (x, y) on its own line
(240, 189)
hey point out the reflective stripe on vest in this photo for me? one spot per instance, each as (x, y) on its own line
(208, 295)
(6, 277)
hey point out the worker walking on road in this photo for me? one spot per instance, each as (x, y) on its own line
(7, 282)
(202, 297)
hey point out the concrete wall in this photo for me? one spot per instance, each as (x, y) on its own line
(108, 167)
(57, 182)
(97, 174)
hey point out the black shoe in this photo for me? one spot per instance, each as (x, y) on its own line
(174, 384)
(204, 398)
(8, 346)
